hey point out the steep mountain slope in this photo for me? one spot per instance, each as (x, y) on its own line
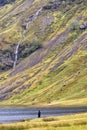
(43, 52)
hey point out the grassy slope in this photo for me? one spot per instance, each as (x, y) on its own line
(56, 73)
(72, 122)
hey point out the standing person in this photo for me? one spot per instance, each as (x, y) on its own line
(39, 114)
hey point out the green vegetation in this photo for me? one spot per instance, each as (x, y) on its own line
(52, 56)
(72, 122)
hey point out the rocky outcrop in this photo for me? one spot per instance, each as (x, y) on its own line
(52, 5)
(83, 26)
(7, 57)
(3, 2)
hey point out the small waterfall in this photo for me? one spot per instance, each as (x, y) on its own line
(23, 36)
(33, 18)
(16, 54)
(38, 12)
(17, 48)
(27, 24)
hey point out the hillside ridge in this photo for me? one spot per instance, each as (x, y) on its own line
(43, 52)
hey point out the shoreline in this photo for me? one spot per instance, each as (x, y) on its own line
(42, 106)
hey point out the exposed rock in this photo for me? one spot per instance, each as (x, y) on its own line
(47, 7)
(83, 26)
(6, 59)
(27, 49)
(24, 26)
(3, 2)
(52, 5)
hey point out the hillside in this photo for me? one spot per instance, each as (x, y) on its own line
(43, 52)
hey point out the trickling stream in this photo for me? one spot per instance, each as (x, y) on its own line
(34, 16)
(16, 54)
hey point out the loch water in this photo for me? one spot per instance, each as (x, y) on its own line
(9, 115)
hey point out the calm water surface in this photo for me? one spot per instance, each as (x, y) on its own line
(9, 115)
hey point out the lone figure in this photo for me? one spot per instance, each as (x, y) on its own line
(39, 114)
